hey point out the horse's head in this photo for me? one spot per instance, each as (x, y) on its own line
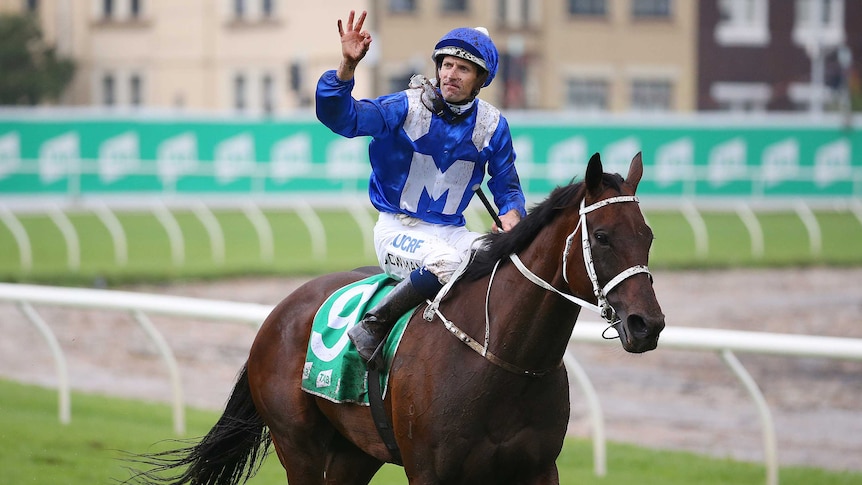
(616, 238)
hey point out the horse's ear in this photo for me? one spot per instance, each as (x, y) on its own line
(636, 171)
(593, 178)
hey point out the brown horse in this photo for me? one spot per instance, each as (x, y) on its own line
(494, 411)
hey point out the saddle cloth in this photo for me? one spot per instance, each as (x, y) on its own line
(333, 369)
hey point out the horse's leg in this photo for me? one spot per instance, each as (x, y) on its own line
(347, 464)
(323, 457)
(299, 431)
(303, 458)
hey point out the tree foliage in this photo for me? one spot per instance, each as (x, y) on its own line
(31, 71)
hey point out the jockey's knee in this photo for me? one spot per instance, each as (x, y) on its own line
(426, 282)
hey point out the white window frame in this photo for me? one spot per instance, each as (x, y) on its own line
(103, 13)
(402, 7)
(273, 9)
(121, 11)
(509, 13)
(448, 11)
(829, 33)
(604, 14)
(633, 84)
(239, 88)
(268, 94)
(801, 94)
(741, 96)
(653, 14)
(104, 79)
(588, 82)
(142, 101)
(748, 24)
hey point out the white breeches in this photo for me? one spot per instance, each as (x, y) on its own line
(404, 244)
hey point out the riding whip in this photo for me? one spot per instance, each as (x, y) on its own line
(478, 189)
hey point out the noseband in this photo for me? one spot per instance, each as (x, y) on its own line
(603, 307)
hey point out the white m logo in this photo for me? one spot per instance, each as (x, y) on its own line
(453, 182)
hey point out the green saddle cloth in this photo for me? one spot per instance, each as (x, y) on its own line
(333, 369)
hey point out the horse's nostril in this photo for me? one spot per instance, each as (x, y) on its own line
(637, 326)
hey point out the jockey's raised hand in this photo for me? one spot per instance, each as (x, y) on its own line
(354, 45)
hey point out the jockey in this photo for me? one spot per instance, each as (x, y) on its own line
(431, 143)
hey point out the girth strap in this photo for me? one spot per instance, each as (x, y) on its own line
(378, 413)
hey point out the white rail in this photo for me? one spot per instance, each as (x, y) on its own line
(115, 228)
(25, 251)
(723, 342)
(163, 211)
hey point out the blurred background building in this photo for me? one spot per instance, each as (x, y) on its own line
(263, 57)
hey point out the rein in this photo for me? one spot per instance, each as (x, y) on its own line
(603, 307)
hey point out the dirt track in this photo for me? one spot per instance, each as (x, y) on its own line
(664, 399)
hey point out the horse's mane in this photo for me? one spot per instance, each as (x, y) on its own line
(497, 246)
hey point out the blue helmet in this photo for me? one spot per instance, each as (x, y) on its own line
(474, 45)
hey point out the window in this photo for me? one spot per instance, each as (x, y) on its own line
(518, 14)
(135, 8)
(454, 6)
(651, 8)
(109, 96)
(267, 9)
(239, 101)
(31, 6)
(589, 94)
(267, 94)
(136, 95)
(107, 9)
(238, 9)
(741, 96)
(294, 76)
(743, 22)
(402, 6)
(821, 20)
(588, 7)
(651, 95)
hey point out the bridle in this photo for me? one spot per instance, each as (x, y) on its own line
(603, 307)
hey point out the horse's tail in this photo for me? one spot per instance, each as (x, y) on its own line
(231, 453)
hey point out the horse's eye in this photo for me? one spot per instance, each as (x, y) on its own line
(601, 237)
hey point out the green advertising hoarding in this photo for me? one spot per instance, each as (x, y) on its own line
(92, 157)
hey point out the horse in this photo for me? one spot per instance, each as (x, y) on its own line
(490, 406)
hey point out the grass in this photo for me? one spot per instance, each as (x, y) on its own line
(786, 242)
(38, 450)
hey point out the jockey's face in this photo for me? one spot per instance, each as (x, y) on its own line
(458, 78)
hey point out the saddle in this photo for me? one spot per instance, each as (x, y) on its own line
(333, 369)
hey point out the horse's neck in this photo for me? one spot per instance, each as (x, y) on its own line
(536, 323)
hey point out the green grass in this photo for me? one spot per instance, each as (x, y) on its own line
(785, 240)
(38, 450)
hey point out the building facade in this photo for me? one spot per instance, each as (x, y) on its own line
(582, 55)
(263, 57)
(778, 55)
(255, 57)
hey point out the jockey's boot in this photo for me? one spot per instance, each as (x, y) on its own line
(370, 333)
